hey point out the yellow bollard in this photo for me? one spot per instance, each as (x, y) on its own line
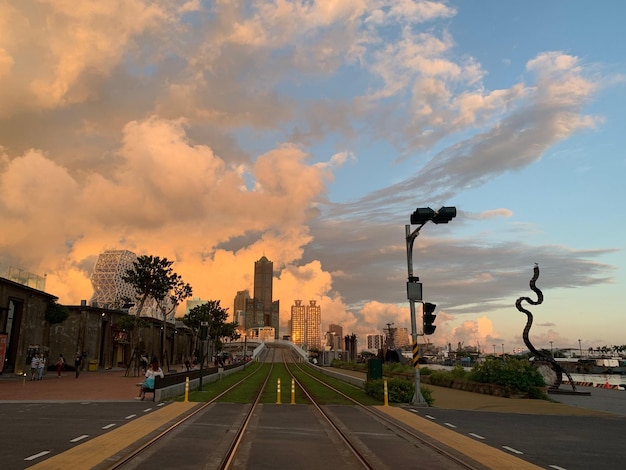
(386, 393)
(293, 391)
(187, 389)
(278, 392)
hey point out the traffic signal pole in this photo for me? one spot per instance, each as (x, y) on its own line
(418, 398)
(414, 288)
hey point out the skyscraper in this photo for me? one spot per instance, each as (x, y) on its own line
(261, 310)
(306, 322)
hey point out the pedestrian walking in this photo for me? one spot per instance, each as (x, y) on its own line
(78, 361)
(34, 365)
(41, 366)
(59, 364)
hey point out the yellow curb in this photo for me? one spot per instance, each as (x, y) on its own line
(101, 448)
(482, 453)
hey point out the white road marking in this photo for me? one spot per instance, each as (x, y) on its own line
(36, 456)
(556, 467)
(130, 416)
(413, 410)
(515, 451)
(161, 404)
(79, 438)
(108, 426)
(147, 409)
(450, 425)
(477, 436)
(430, 417)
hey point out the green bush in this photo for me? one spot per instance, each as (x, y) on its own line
(398, 390)
(518, 375)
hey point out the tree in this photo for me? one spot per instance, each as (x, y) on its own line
(215, 316)
(152, 277)
(179, 292)
(56, 313)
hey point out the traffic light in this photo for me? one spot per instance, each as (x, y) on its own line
(428, 318)
(422, 215)
(444, 215)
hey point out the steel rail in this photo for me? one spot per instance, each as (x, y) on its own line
(143, 447)
(397, 428)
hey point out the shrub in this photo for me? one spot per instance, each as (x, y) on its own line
(398, 390)
(518, 375)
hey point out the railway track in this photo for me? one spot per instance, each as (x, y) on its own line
(220, 434)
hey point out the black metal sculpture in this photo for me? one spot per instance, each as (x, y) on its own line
(551, 371)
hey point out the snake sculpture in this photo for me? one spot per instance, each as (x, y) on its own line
(551, 371)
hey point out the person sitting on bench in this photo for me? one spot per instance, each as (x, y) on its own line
(148, 384)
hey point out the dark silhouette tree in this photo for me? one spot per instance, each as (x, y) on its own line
(151, 277)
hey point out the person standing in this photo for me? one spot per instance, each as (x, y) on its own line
(60, 363)
(41, 367)
(78, 362)
(34, 365)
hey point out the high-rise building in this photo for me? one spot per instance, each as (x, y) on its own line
(239, 310)
(261, 310)
(337, 329)
(306, 324)
(298, 323)
(314, 325)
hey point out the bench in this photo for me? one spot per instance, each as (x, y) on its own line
(146, 390)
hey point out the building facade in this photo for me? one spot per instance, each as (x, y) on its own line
(306, 324)
(262, 310)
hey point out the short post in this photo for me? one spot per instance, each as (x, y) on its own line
(293, 391)
(187, 389)
(278, 392)
(386, 393)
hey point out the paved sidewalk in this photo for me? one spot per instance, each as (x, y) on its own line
(109, 385)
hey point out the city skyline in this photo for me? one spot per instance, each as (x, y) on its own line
(216, 133)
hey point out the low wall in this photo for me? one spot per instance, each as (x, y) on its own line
(357, 381)
(175, 390)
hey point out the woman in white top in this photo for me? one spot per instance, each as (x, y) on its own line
(148, 385)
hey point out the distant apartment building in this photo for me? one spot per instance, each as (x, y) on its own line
(306, 324)
(375, 342)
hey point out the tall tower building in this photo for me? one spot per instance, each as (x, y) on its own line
(306, 324)
(261, 310)
(239, 309)
(298, 323)
(314, 325)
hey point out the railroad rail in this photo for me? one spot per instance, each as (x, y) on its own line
(242, 429)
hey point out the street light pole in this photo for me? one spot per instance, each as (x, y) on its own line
(580, 348)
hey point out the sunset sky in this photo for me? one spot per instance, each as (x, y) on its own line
(217, 132)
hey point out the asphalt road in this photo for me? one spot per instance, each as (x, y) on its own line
(559, 442)
(32, 432)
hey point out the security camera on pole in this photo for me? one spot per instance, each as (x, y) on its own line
(414, 288)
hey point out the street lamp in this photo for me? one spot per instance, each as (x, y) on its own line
(503, 349)
(494, 349)
(580, 348)
(551, 353)
(414, 288)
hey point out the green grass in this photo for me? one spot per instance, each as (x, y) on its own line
(212, 389)
(246, 391)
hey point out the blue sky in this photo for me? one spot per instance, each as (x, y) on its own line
(214, 134)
